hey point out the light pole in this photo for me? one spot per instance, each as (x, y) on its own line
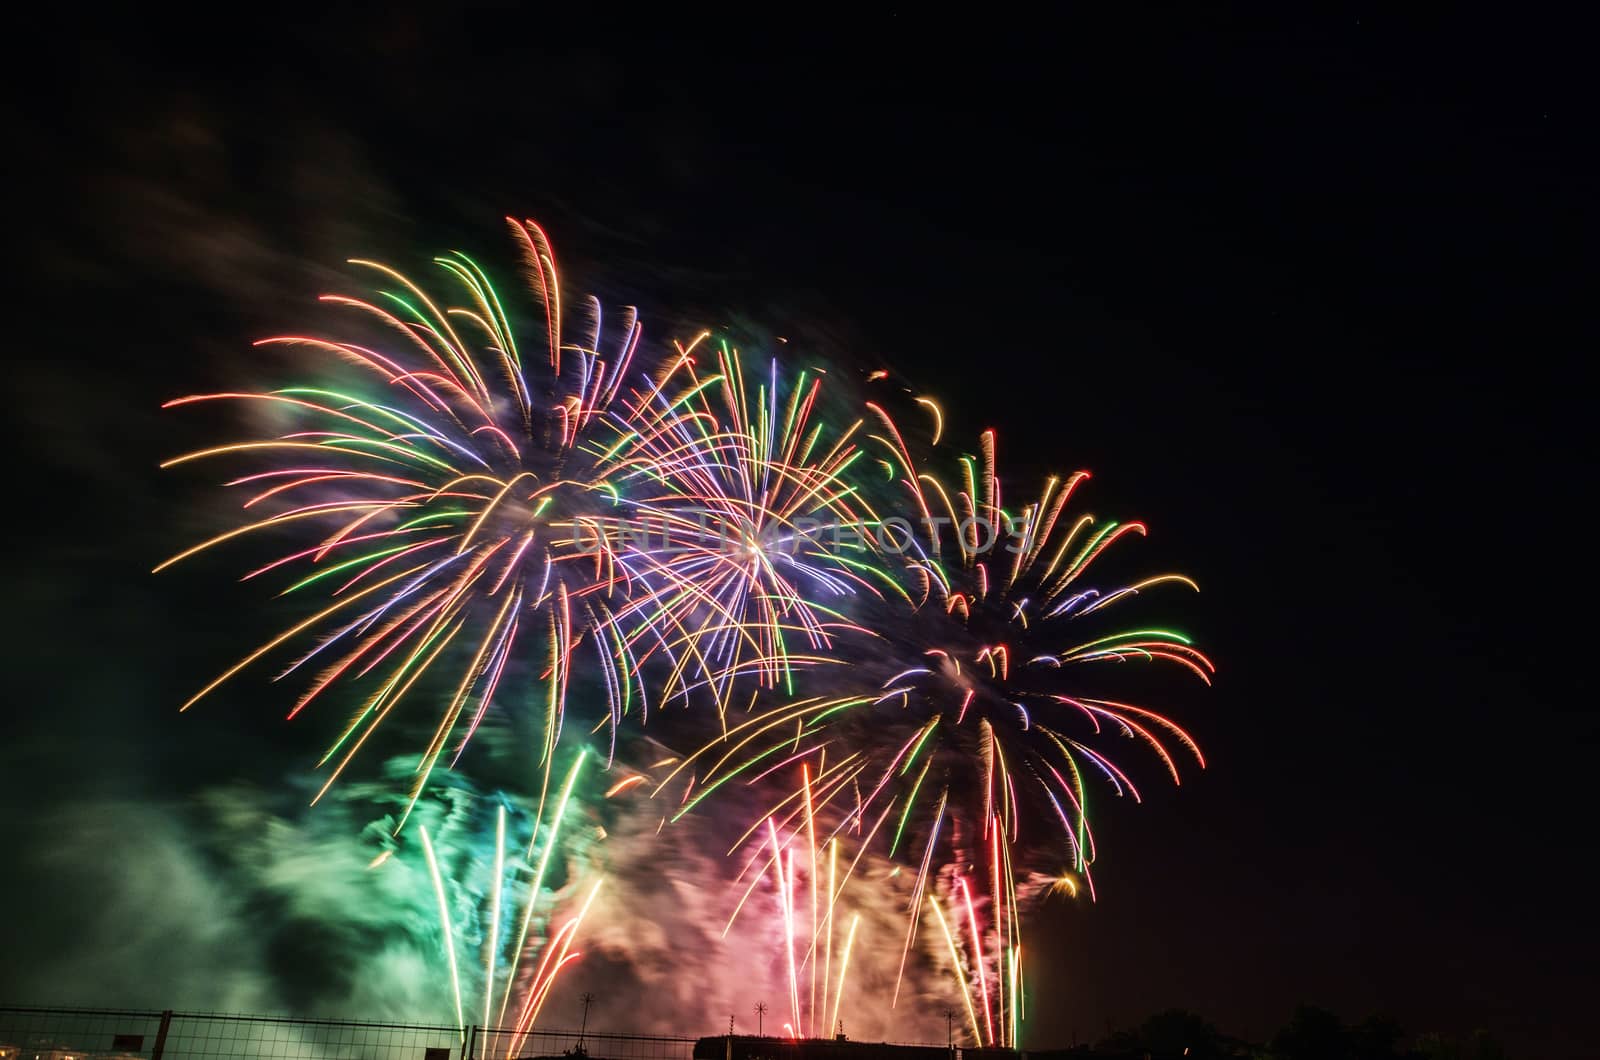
(587, 999)
(761, 1018)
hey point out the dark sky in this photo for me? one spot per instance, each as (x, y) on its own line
(1305, 296)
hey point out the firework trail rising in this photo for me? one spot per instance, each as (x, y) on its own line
(558, 951)
(698, 934)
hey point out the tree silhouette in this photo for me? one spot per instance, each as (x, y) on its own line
(1174, 1032)
(1312, 1034)
(1479, 1045)
(1375, 1038)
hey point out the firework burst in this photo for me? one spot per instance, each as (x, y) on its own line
(746, 531)
(477, 515)
(439, 504)
(973, 739)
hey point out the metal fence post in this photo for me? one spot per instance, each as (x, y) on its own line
(472, 1042)
(161, 1036)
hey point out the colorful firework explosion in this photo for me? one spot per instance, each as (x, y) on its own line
(694, 531)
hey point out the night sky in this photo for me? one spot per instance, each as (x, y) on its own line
(1305, 297)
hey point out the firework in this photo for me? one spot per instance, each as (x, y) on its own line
(745, 530)
(470, 515)
(506, 941)
(477, 516)
(813, 881)
(975, 742)
(440, 503)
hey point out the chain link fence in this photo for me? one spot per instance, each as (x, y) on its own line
(495, 1043)
(125, 1034)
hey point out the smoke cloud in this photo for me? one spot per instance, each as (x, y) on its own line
(243, 899)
